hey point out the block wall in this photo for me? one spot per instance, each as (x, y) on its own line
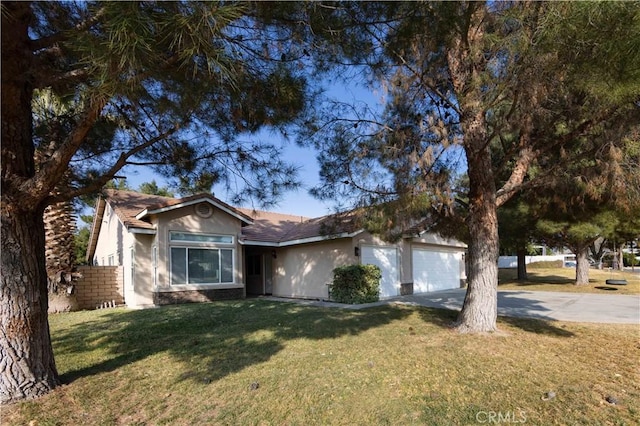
(100, 285)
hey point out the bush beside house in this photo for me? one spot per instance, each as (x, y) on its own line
(356, 284)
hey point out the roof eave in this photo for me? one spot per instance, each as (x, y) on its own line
(95, 228)
(315, 239)
(146, 212)
(135, 230)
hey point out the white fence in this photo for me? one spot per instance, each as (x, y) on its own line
(512, 261)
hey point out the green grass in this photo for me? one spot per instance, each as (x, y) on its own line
(257, 362)
(562, 279)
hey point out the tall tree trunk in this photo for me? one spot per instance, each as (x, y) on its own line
(620, 255)
(582, 266)
(59, 226)
(27, 367)
(466, 65)
(480, 308)
(522, 264)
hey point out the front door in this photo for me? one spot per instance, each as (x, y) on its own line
(259, 267)
(255, 282)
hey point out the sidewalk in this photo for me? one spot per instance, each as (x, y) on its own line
(576, 307)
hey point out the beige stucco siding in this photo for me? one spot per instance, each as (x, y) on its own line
(114, 240)
(185, 220)
(141, 272)
(306, 270)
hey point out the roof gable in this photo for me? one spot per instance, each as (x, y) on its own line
(133, 209)
(169, 204)
(127, 204)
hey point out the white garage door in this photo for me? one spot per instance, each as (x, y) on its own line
(435, 270)
(386, 259)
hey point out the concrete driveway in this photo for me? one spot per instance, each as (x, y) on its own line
(578, 307)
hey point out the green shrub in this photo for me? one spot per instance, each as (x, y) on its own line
(630, 259)
(356, 284)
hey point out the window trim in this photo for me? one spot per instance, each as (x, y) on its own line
(154, 265)
(220, 266)
(221, 237)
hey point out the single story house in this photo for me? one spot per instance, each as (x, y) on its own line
(199, 248)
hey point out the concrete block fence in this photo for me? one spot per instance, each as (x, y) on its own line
(100, 286)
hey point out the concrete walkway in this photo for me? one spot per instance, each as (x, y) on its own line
(577, 307)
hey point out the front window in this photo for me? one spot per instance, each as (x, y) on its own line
(199, 265)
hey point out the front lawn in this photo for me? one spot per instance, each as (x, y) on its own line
(258, 362)
(562, 279)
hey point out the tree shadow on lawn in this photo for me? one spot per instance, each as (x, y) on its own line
(537, 326)
(514, 309)
(225, 336)
(535, 279)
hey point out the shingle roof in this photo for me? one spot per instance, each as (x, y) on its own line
(128, 204)
(267, 227)
(279, 228)
(261, 227)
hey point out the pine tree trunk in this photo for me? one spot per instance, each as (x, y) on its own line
(582, 266)
(466, 64)
(620, 255)
(480, 308)
(27, 366)
(522, 265)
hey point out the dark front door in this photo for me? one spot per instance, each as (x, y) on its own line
(255, 281)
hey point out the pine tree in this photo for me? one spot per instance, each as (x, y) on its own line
(169, 85)
(498, 89)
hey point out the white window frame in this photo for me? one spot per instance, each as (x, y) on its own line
(199, 241)
(154, 265)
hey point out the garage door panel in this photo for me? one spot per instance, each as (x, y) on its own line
(435, 270)
(386, 258)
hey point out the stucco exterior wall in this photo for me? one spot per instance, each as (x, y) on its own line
(140, 273)
(185, 220)
(306, 270)
(113, 241)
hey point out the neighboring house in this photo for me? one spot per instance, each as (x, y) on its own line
(199, 248)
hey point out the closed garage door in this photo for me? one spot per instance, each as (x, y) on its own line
(386, 259)
(435, 270)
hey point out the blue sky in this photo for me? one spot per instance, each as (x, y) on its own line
(295, 202)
